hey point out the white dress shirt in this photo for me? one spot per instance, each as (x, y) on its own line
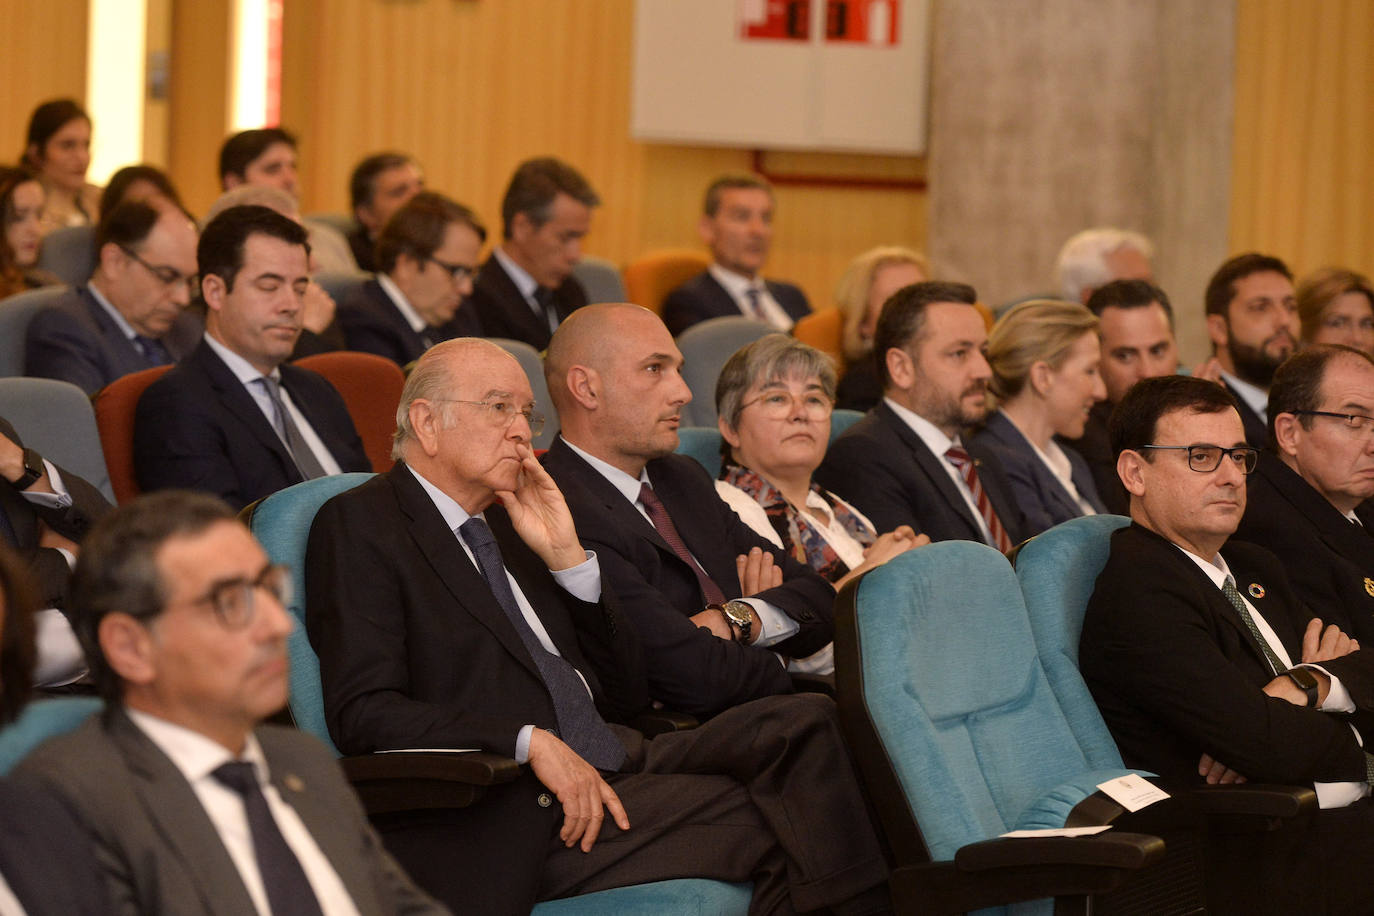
(774, 624)
(582, 581)
(398, 299)
(526, 285)
(115, 315)
(59, 659)
(939, 443)
(248, 376)
(1257, 399)
(1329, 794)
(738, 286)
(9, 904)
(197, 757)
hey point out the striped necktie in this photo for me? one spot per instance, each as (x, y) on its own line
(964, 464)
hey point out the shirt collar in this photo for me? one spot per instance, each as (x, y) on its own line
(1215, 568)
(1257, 399)
(933, 437)
(194, 754)
(735, 284)
(454, 514)
(522, 280)
(628, 486)
(120, 321)
(398, 299)
(243, 370)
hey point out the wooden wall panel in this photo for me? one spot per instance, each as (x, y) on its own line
(42, 56)
(472, 88)
(198, 97)
(1302, 173)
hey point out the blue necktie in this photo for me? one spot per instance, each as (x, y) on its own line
(153, 350)
(579, 724)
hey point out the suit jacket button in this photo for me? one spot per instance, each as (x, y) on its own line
(544, 799)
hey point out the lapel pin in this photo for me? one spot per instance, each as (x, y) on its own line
(1369, 586)
(293, 782)
(1256, 590)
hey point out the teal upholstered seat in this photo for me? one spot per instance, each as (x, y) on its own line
(41, 720)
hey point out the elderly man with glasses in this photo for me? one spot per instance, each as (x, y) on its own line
(1204, 662)
(193, 805)
(131, 314)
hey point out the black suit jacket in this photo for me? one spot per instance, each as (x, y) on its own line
(75, 340)
(702, 297)
(881, 466)
(364, 248)
(689, 669)
(372, 324)
(1328, 558)
(45, 858)
(415, 652)
(1176, 673)
(503, 312)
(49, 566)
(1041, 496)
(1095, 448)
(1256, 430)
(198, 428)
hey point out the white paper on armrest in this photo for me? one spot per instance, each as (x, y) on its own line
(432, 750)
(1061, 831)
(1132, 791)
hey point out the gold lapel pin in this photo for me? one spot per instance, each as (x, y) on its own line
(293, 782)
(1369, 586)
(1256, 590)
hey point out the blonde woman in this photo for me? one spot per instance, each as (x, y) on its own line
(866, 284)
(1044, 356)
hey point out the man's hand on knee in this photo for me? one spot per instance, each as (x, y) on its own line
(577, 784)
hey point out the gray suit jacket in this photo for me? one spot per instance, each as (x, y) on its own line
(75, 340)
(156, 846)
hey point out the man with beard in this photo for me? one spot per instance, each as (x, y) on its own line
(1252, 320)
(904, 464)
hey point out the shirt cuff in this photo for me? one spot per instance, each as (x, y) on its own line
(59, 498)
(582, 581)
(1337, 697)
(774, 625)
(60, 660)
(522, 745)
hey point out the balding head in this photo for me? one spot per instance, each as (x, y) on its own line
(614, 375)
(462, 421)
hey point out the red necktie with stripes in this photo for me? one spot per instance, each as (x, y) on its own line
(663, 523)
(963, 463)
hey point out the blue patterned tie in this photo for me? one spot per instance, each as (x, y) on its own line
(579, 724)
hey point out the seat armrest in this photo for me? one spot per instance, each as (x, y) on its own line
(813, 683)
(653, 722)
(425, 780)
(1257, 800)
(1111, 849)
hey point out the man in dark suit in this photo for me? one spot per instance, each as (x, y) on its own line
(1304, 500)
(1202, 659)
(737, 225)
(527, 286)
(233, 419)
(131, 314)
(1252, 321)
(192, 804)
(45, 512)
(614, 376)
(1136, 324)
(452, 605)
(905, 463)
(380, 185)
(428, 256)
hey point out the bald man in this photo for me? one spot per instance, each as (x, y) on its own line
(719, 608)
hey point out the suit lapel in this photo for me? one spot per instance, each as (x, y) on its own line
(620, 513)
(932, 466)
(124, 357)
(294, 381)
(722, 303)
(691, 523)
(519, 314)
(440, 548)
(240, 403)
(387, 310)
(176, 812)
(1254, 586)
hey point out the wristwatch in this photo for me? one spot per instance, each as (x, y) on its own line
(33, 469)
(739, 614)
(1307, 681)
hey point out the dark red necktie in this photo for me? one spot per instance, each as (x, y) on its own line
(963, 463)
(668, 531)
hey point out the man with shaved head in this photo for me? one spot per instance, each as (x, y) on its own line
(719, 608)
(452, 606)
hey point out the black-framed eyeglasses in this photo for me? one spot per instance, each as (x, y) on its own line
(1356, 422)
(502, 413)
(1207, 458)
(167, 276)
(234, 601)
(456, 272)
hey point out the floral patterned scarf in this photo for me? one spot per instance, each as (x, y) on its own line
(799, 535)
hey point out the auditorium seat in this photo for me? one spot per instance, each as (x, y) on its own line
(650, 277)
(824, 330)
(69, 254)
(115, 405)
(15, 314)
(55, 418)
(600, 279)
(371, 388)
(705, 348)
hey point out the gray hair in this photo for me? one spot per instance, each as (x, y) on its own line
(252, 195)
(429, 381)
(775, 356)
(1082, 262)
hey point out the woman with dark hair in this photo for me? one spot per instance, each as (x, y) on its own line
(58, 150)
(1336, 306)
(137, 182)
(21, 210)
